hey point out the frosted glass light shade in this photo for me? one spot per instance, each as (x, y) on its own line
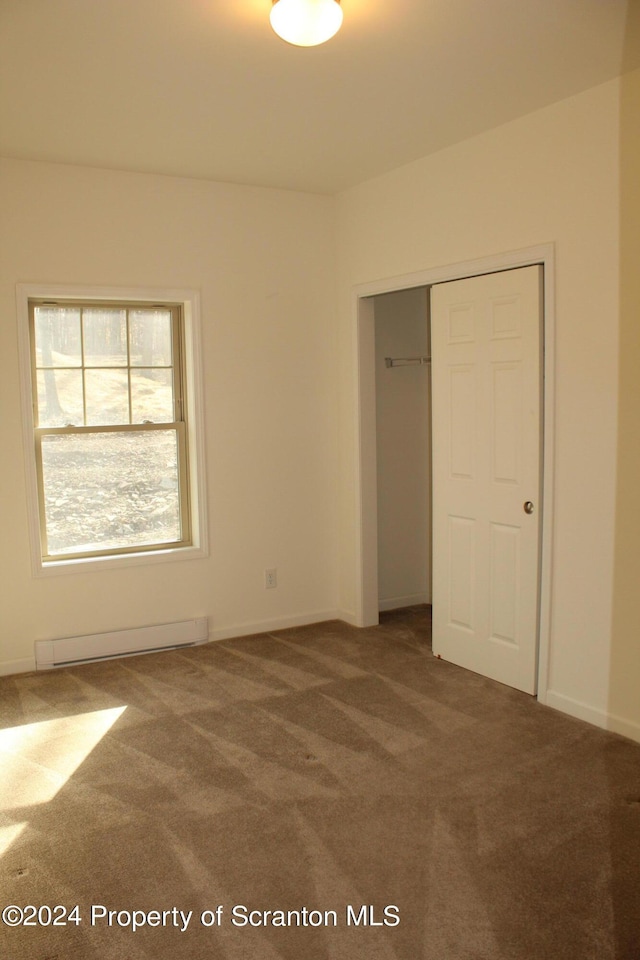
(306, 23)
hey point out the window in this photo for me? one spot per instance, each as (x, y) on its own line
(111, 435)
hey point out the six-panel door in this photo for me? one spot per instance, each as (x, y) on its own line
(486, 409)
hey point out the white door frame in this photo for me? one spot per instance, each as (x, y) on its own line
(366, 485)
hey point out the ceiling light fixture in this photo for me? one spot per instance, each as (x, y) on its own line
(306, 23)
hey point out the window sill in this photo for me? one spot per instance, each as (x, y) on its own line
(54, 568)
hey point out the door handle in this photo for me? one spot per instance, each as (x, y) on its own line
(528, 506)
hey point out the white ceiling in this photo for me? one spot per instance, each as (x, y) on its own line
(203, 88)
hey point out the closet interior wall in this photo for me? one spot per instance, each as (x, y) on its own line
(403, 449)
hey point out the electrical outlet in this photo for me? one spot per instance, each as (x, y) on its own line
(271, 578)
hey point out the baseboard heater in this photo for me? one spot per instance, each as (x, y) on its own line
(120, 643)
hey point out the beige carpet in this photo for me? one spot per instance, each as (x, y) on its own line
(317, 770)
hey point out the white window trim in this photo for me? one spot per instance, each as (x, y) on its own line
(190, 302)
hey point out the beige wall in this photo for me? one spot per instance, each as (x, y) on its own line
(550, 176)
(402, 441)
(624, 688)
(263, 261)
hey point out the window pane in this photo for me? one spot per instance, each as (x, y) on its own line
(104, 491)
(107, 396)
(150, 338)
(57, 332)
(105, 337)
(59, 398)
(151, 395)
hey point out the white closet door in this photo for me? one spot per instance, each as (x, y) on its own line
(486, 397)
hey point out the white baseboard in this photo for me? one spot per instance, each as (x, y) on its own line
(28, 664)
(348, 616)
(599, 718)
(575, 708)
(626, 728)
(9, 667)
(248, 628)
(395, 603)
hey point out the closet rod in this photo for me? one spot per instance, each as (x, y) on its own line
(405, 361)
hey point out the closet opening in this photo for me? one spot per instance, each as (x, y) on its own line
(392, 568)
(403, 447)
